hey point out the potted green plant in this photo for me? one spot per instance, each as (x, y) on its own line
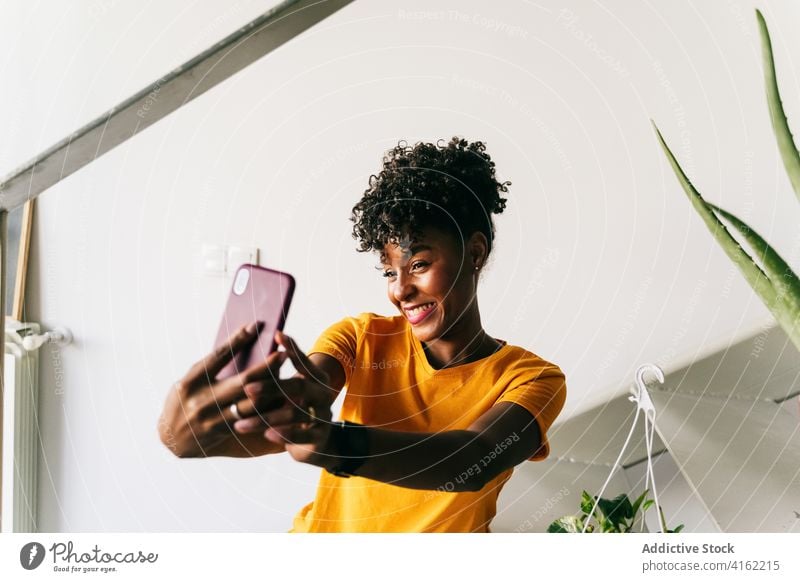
(770, 276)
(616, 515)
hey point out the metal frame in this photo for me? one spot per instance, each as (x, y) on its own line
(169, 93)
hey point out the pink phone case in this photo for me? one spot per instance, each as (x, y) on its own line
(257, 294)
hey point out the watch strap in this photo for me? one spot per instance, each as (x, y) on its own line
(351, 443)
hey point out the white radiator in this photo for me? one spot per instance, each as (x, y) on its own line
(21, 431)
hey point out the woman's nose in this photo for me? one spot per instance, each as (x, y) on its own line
(402, 288)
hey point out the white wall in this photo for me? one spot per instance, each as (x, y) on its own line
(277, 156)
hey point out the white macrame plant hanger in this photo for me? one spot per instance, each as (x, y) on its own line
(644, 405)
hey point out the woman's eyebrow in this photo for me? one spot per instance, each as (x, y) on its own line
(416, 248)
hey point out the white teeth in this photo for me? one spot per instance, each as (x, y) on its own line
(418, 309)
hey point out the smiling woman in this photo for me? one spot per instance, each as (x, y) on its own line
(428, 215)
(436, 413)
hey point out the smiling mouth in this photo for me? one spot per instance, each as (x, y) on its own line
(419, 313)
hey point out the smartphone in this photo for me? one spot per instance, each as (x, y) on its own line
(257, 294)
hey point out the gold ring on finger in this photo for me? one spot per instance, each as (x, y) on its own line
(311, 412)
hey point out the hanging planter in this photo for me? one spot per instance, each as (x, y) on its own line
(618, 515)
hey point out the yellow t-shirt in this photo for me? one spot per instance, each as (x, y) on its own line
(391, 385)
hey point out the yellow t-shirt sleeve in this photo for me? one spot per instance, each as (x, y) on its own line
(543, 397)
(340, 341)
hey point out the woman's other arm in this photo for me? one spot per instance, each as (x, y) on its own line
(457, 460)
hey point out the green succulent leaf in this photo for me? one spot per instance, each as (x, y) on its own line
(783, 278)
(757, 279)
(780, 125)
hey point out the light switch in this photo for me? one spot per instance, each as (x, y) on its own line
(213, 259)
(240, 255)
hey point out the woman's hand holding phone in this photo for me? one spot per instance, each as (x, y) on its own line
(303, 423)
(198, 417)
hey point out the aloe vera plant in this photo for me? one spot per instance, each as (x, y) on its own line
(616, 515)
(768, 274)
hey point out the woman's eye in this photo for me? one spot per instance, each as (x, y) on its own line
(418, 264)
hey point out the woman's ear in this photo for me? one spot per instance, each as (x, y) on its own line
(478, 250)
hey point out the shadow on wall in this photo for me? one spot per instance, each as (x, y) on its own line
(726, 450)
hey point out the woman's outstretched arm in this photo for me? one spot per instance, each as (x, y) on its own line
(456, 460)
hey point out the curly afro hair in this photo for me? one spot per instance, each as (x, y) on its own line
(450, 186)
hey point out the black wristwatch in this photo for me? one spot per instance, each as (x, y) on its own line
(351, 444)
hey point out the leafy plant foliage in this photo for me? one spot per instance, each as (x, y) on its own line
(768, 274)
(616, 515)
